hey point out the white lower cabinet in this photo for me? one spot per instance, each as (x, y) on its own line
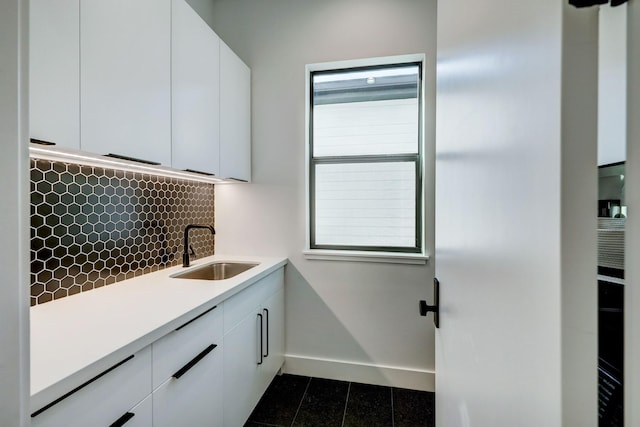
(187, 374)
(273, 351)
(104, 399)
(241, 370)
(254, 345)
(194, 399)
(185, 378)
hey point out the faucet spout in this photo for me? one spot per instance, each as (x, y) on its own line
(185, 253)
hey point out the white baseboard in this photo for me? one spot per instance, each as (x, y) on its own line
(368, 373)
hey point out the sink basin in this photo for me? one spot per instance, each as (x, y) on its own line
(216, 271)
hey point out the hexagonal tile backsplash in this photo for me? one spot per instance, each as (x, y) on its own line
(92, 227)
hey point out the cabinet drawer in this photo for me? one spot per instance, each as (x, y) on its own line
(195, 398)
(139, 416)
(244, 303)
(176, 349)
(102, 400)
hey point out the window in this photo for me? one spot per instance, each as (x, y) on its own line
(365, 158)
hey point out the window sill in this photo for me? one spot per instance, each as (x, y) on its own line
(363, 256)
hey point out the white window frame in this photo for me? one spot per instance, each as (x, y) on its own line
(352, 255)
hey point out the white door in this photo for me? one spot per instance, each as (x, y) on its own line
(507, 255)
(632, 237)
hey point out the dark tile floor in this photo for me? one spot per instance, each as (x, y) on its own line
(293, 400)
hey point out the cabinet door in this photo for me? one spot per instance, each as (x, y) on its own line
(104, 400)
(195, 91)
(174, 350)
(235, 116)
(273, 347)
(54, 71)
(126, 78)
(193, 399)
(241, 368)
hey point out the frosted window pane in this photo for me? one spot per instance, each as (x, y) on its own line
(365, 204)
(366, 128)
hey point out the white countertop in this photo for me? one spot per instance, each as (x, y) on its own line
(76, 337)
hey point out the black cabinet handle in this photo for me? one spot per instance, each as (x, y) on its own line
(123, 419)
(200, 172)
(261, 340)
(80, 387)
(194, 361)
(132, 159)
(41, 142)
(236, 179)
(266, 311)
(196, 318)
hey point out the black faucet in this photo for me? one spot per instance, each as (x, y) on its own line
(187, 246)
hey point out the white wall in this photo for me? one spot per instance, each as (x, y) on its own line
(14, 220)
(612, 84)
(346, 320)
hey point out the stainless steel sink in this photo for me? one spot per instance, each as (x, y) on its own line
(215, 271)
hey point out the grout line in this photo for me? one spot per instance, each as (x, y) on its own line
(393, 412)
(301, 400)
(346, 403)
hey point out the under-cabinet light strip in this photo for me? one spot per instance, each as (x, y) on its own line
(101, 161)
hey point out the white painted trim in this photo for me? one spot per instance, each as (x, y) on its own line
(364, 62)
(361, 372)
(339, 255)
(364, 256)
(14, 214)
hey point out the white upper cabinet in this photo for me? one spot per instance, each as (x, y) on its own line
(195, 79)
(235, 116)
(125, 78)
(144, 79)
(54, 65)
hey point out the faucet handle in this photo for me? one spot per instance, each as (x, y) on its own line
(191, 251)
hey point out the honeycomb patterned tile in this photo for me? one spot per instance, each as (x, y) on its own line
(91, 226)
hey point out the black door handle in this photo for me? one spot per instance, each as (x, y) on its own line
(435, 308)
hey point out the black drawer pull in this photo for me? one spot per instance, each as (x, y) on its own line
(194, 361)
(41, 142)
(200, 172)
(195, 318)
(123, 419)
(266, 311)
(80, 387)
(236, 179)
(261, 340)
(132, 159)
